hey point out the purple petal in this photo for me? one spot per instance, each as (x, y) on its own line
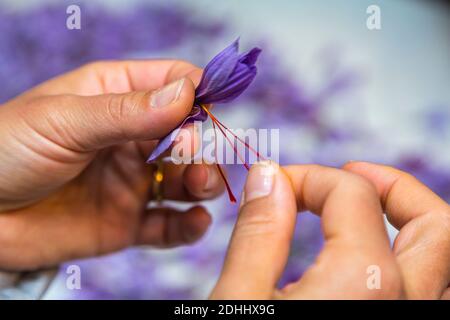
(236, 87)
(219, 69)
(239, 80)
(250, 57)
(163, 145)
(197, 114)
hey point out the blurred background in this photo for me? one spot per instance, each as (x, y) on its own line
(336, 90)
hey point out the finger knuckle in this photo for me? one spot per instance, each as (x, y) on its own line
(120, 107)
(350, 164)
(363, 182)
(114, 107)
(97, 65)
(348, 177)
(53, 109)
(407, 178)
(359, 183)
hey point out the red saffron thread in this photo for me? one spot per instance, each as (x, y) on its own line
(232, 145)
(215, 121)
(221, 127)
(258, 155)
(227, 185)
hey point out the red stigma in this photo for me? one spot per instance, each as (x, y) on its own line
(224, 130)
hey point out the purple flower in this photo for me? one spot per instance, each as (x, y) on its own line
(225, 77)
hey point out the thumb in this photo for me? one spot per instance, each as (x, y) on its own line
(260, 243)
(87, 123)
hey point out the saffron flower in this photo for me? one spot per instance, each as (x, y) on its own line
(225, 77)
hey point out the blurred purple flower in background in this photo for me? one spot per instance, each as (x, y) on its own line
(34, 47)
(435, 177)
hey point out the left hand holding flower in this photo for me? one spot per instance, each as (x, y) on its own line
(73, 177)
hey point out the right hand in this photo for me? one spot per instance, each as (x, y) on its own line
(350, 202)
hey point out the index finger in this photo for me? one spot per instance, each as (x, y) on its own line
(118, 77)
(348, 204)
(355, 234)
(423, 243)
(402, 195)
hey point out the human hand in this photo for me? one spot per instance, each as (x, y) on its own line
(350, 203)
(73, 177)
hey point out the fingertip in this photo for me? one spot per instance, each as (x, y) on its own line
(214, 185)
(184, 98)
(366, 167)
(268, 196)
(267, 182)
(186, 69)
(195, 179)
(188, 91)
(166, 108)
(203, 181)
(195, 76)
(378, 175)
(354, 164)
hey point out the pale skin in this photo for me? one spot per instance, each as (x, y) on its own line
(350, 202)
(74, 184)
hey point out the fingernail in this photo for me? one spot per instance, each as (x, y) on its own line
(213, 178)
(259, 181)
(167, 94)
